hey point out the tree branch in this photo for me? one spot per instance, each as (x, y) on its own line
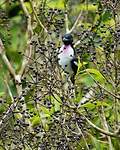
(87, 147)
(7, 115)
(66, 23)
(96, 82)
(66, 18)
(105, 126)
(76, 22)
(77, 43)
(38, 20)
(29, 32)
(101, 130)
(5, 59)
(9, 90)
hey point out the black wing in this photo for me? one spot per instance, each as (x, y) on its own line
(74, 66)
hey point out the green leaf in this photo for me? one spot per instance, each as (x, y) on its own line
(35, 120)
(56, 4)
(57, 102)
(98, 145)
(85, 79)
(101, 103)
(89, 76)
(80, 65)
(88, 105)
(106, 15)
(45, 111)
(89, 7)
(95, 74)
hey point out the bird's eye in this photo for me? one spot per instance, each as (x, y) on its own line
(65, 65)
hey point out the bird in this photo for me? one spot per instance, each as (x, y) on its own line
(66, 57)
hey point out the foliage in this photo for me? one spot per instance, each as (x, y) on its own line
(39, 109)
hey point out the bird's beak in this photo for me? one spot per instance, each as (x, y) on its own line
(64, 39)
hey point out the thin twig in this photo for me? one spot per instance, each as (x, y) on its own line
(76, 22)
(66, 18)
(105, 126)
(5, 59)
(112, 94)
(24, 8)
(115, 134)
(66, 23)
(7, 115)
(28, 51)
(77, 43)
(101, 130)
(10, 68)
(26, 60)
(9, 91)
(82, 136)
(1, 47)
(38, 20)
(8, 64)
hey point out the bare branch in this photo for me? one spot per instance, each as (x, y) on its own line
(82, 136)
(38, 20)
(24, 8)
(28, 51)
(66, 23)
(109, 92)
(9, 91)
(7, 115)
(76, 22)
(101, 130)
(90, 94)
(1, 47)
(17, 78)
(77, 43)
(5, 59)
(105, 126)
(66, 18)
(26, 59)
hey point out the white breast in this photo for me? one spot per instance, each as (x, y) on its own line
(66, 54)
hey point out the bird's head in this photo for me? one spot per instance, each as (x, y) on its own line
(67, 39)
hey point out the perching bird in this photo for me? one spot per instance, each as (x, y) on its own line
(66, 56)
